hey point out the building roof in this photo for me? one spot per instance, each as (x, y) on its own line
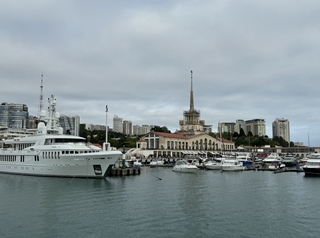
(224, 140)
(179, 136)
(171, 135)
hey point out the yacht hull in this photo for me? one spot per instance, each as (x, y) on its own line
(185, 170)
(213, 167)
(311, 171)
(94, 165)
(232, 168)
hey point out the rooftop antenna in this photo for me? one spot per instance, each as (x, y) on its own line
(41, 96)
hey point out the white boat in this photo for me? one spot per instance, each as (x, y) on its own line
(184, 166)
(312, 165)
(232, 165)
(272, 158)
(213, 165)
(199, 162)
(48, 152)
(273, 162)
(156, 162)
(244, 157)
(290, 160)
(137, 163)
(246, 160)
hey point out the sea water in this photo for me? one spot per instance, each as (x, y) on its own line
(162, 203)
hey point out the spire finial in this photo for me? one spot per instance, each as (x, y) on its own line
(191, 95)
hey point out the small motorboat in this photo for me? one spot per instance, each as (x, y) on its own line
(273, 162)
(213, 165)
(232, 165)
(184, 166)
(156, 163)
(290, 160)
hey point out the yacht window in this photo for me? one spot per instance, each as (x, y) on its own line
(70, 140)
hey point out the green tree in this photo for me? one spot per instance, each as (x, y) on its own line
(160, 129)
(235, 135)
(242, 132)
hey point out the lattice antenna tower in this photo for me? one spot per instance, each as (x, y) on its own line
(41, 96)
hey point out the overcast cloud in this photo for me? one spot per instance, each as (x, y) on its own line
(250, 59)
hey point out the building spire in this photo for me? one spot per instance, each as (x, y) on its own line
(191, 95)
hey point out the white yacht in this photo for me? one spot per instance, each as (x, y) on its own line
(48, 152)
(156, 163)
(232, 165)
(312, 165)
(185, 167)
(213, 164)
(272, 158)
(273, 162)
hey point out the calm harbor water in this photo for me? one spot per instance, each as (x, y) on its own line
(162, 203)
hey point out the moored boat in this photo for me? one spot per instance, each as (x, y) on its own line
(213, 165)
(290, 160)
(246, 159)
(185, 167)
(273, 162)
(232, 165)
(48, 152)
(156, 163)
(312, 165)
(272, 158)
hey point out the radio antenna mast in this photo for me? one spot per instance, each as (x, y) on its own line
(41, 96)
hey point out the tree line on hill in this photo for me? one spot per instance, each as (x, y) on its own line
(120, 140)
(241, 139)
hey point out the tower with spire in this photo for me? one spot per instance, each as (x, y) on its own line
(191, 125)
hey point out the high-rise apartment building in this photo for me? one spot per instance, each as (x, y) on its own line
(70, 124)
(240, 124)
(91, 127)
(226, 127)
(141, 130)
(256, 126)
(117, 124)
(281, 128)
(127, 127)
(14, 115)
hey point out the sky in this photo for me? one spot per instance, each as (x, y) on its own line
(250, 59)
